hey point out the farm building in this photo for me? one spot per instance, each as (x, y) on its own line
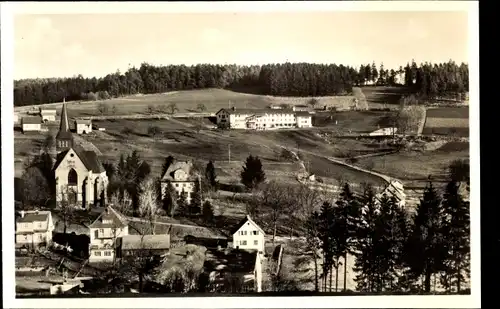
(154, 244)
(384, 132)
(262, 119)
(301, 108)
(34, 228)
(248, 235)
(179, 175)
(31, 124)
(233, 270)
(83, 126)
(48, 114)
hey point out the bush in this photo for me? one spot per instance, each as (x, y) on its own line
(287, 155)
(410, 118)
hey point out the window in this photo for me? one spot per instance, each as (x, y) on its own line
(25, 237)
(255, 242)
(101, 231)
(243, 242)
(40, 237)
(97, 253)
(177, 185)
(107, 253)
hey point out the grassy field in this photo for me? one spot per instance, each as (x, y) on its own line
(354, 121)
(417, 166)
(452, 121)
(215, 99)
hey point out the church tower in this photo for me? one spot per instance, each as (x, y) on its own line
(64, 138)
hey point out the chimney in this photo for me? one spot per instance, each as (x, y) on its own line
(22, 213)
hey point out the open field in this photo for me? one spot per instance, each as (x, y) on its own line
(447, 121)
(354, 121)
(417, 166)
(213, 99)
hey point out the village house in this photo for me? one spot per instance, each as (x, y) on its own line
(104, 232)
(153, 244)
(31, 124)
(301, 108)
(34, 229)
(249, 236)
(80, 176)
(394, 189)
(48, 114)
(180, 175)
(83, 126)
(262, 119)
(233, 270)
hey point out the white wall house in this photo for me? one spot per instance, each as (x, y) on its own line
(31, 124)
(249, 236)
(104, 232)
(262, 119)
(83, 126)
(34, 228)
(179, 174)
(48, 114)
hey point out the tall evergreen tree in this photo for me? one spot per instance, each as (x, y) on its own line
(210, 175)
(196, 199)
(456, 228)
(427, 251)
(208, 212)
(328, 244)
(166, 164)
(252, 174)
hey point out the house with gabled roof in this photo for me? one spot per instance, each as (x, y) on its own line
(83, 126)
(80, 176)
(31, 124)
(180, 175)
(34, 228)
(249, 235)
(104, 232)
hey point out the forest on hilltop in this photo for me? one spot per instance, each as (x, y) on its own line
(288, 79)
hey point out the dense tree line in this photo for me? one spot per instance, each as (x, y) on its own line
(288, 79)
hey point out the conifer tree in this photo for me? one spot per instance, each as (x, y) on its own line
(196, 199)
(208, 212)
(456, 228)
(426, 250)
(210, 175)
(166, 164)
(252, 174)
(182, 204)
(365, 263)
(328, 244)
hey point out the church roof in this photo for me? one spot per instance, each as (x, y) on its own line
(88, 157)
(185, 166)
(64, 132)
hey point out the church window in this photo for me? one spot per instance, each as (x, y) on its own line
(72, 155)
(72, 177)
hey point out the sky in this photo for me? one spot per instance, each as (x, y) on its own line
(65, 45)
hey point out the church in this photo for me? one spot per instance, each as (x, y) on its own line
(81, 179)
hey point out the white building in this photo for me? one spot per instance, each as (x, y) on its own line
(83, 126)
(16, 117)
(34, 228)
(179, 174)
(48, 114)
(262, 119)
(249, 236)
(104, 232)
(31, 124)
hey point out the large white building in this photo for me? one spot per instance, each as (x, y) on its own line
(263, 119)
(249, 236)
(179, 174)
(83, 126)
(104, 232)
(34, 228)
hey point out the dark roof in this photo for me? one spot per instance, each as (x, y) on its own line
(32, 120)
(231, 260)
(118, 220)
(136, 242)
(34, 216)
(301, 106)
(64, 132)
(89, 159)
(254, 111)
(83, 121)
(302, 113)
(245, 220)
(185, 166)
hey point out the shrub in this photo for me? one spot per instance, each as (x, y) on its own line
(410, 118)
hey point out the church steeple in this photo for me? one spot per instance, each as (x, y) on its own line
(64, 138)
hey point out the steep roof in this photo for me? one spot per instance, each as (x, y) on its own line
(31, 120)
(64, 132)
(88, 157)
(34, 216)
(303, 113)
(83, 121)
(137, 242)
(185, 166)
(109, 213)
(245, 220)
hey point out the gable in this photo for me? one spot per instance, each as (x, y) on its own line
(248, 224)
(69, 159)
